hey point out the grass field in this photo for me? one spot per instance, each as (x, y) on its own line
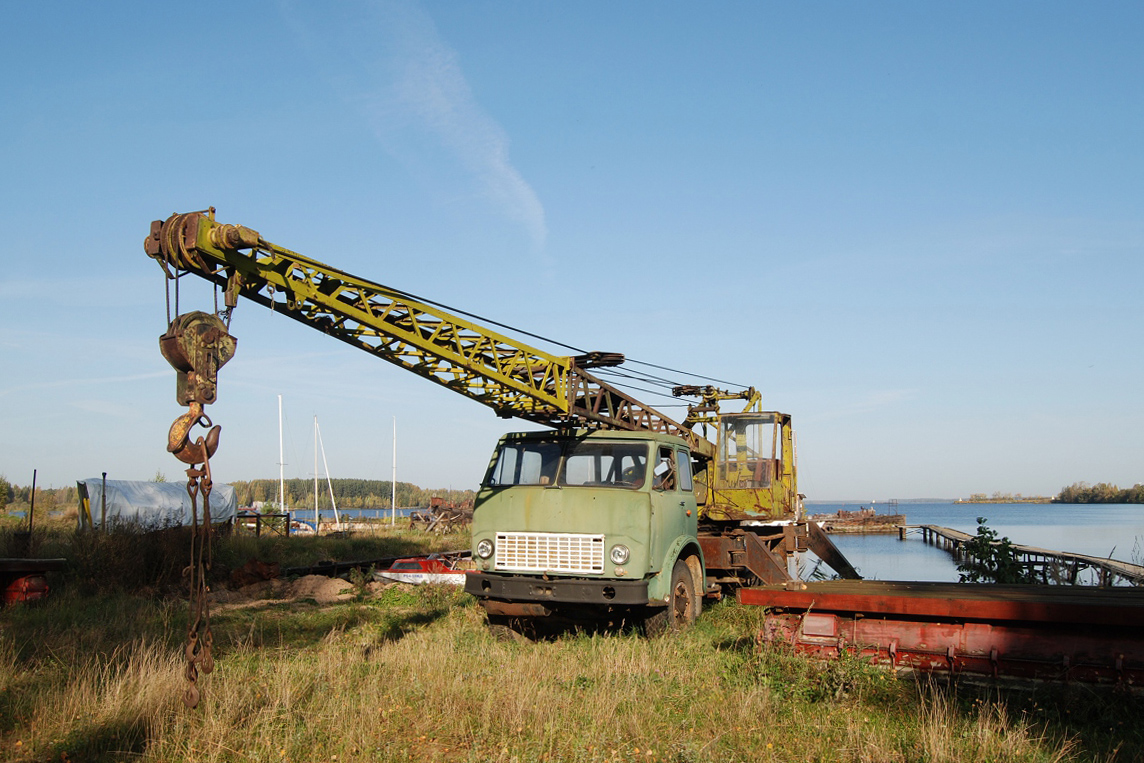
(403, 673)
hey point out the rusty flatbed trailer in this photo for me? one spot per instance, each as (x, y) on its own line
(1065, 633)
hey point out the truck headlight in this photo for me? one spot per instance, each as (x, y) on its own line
(620, 553)
(485, 548)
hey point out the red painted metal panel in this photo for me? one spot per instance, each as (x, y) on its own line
(963, 629)
(961, 601)
(25, 588)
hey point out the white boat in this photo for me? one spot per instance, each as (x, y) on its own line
(420, 570)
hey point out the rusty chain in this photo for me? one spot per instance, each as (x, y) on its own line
(197, 345)
(200, 640)
(197, 455)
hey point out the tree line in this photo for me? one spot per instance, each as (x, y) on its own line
(999, 497)
(46, 497)
(1101, 492)
(349, 494)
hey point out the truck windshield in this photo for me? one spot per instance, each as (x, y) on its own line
(605, 464)
(526, 463)
(585, 464)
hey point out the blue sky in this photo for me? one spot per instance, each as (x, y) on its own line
(916, 227)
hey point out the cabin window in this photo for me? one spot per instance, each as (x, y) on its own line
(683, 464)
(605, 464)
(526, 463)
(747, 451)
(665, 476)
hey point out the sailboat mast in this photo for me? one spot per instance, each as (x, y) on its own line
(281, 463)
(329, 482)
(315, 474)
(393, 481)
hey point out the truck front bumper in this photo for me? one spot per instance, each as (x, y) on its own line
(556, 590)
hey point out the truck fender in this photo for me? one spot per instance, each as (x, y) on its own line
(682, 547)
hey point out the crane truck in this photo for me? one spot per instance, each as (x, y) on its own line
(616, 512)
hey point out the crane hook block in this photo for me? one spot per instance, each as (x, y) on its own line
(197, 345)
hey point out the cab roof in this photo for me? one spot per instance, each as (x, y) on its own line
(597, 434)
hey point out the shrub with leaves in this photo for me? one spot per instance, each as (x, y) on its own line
(989, 559)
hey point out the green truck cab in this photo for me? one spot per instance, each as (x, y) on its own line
(581, 525)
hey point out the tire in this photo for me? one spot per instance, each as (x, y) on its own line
(681, 610)
(507, 629)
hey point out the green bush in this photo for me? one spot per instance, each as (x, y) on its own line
(990, 559)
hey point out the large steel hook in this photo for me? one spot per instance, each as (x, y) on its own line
(179, 441)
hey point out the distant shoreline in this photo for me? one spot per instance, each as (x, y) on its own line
(1032, 499)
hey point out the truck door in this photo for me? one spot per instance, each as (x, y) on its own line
(672, 499)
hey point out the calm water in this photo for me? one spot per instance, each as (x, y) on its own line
(1115, 530)
(305, 515)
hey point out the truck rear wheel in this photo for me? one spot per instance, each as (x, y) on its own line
(681, 610)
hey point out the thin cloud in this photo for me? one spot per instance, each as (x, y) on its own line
(63, 383)
(88, 291)
(416, 98)
(433, 87)
(874, 401)
(105, 408)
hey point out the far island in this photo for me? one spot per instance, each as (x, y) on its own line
(1004, 498)
(1078, 492)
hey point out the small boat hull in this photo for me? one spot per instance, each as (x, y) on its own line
(422, 578)
(423, 570)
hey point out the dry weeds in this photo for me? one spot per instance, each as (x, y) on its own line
(323, 670)
(411, 674)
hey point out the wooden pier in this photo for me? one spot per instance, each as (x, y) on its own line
(1053, 567)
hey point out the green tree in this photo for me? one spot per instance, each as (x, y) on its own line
(990, 559)
(5, 492)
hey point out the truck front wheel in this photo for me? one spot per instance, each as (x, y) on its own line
(680, 611)
(504, 628)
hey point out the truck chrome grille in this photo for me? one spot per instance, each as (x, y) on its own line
(550, 552)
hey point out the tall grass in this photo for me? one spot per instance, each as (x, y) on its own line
(412, 674)
(130, 558)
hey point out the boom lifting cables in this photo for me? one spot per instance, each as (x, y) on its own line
(558, 343)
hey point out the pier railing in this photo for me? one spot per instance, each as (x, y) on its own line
(1052, 567)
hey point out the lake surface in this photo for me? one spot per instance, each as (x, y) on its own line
(1115, 530)
(346, 514)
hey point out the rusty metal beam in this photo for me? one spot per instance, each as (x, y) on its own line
(819, 542)
(743, 551)
(1043, 632)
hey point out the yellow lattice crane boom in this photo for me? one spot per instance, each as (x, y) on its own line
(510, 376)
